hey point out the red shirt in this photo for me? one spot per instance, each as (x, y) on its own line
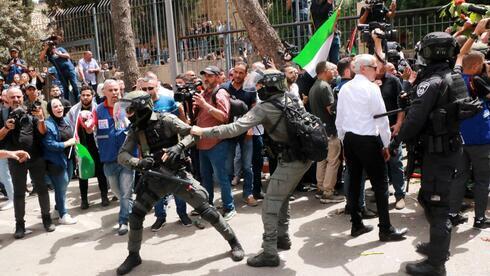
(204, 119)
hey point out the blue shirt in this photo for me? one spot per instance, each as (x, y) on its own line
(61, 63)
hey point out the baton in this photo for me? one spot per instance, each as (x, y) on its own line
(165, 177)
(391, 112)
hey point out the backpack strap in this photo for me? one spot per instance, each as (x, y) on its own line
(278, 105)
(145, 149)
(225, 87)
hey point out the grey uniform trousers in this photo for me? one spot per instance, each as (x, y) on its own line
(154, 188)
(275, 209)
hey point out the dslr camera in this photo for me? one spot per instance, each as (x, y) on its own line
(19, 116)
(34, 106)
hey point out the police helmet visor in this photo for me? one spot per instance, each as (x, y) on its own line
(251, 81)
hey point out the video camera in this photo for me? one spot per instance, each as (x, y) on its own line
(389, 33)
(186, 91)
(185, 94)
(51, 41)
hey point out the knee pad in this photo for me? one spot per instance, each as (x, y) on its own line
(208, 213)
(139, 211)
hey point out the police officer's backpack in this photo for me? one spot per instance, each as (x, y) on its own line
(308, 138)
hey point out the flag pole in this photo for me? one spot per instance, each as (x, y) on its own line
(75, 131)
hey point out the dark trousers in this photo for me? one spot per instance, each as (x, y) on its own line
(37, 168)
(364, 153)
(99, 173)
(257, 163)
(439, 173)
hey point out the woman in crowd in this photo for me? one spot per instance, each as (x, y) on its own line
(57, 144)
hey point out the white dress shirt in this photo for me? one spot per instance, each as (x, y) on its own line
(359, 100)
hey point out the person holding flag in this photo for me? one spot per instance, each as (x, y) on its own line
(59, 167)
(318, 47)
(80, 119)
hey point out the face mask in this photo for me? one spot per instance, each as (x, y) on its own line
(262, 93)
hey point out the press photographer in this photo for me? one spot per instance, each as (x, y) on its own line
(60, 59)
(375, 15)
(23, 130)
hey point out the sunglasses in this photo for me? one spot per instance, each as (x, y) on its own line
(147, 88)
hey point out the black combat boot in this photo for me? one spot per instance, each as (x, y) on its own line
(263, 259)
(48, 223)
(424, 248)
(84, 204)
(20, 230)
(133, 260)
(425, 268)
(283, 242)
(237, 252)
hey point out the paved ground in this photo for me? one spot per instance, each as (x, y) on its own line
(320, 235)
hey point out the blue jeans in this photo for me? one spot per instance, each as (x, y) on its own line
(69, 76)
(214, 161)
(121, 182)
(60, 183)
(161, 206)
(246, 151)
(257, 163)
(6, 179)
(395, 174)
(362, 195)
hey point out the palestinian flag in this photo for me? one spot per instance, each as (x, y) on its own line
(318, 46)
(86, 165)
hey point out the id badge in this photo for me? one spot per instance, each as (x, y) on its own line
(103, 124)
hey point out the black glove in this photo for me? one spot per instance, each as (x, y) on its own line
(393, 147)
(145, 163)
(403, 100)
(174, 153)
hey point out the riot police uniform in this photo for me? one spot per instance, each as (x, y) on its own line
(433, 120)
(157, 134)
(289, 171)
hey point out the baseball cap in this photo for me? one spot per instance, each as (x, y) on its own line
(211, 70)
(30, 85)
(1, 78)
(14, 49)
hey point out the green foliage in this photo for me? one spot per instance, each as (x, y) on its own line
(15, 27)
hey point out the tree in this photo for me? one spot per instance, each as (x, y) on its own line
(15, 29)
(261, 33)
(124, 37)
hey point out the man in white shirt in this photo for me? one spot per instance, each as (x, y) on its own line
(366, 142)
(88, 70)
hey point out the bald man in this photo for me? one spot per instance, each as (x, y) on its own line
(88, 68)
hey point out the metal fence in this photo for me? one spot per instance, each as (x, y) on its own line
(210, 31)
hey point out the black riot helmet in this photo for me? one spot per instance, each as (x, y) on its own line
(268, 83)
(436, 47)
(138, 107)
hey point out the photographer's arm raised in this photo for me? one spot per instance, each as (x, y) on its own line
(42, 55)
(479, 29)
(378, 47)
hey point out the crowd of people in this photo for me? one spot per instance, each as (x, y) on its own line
(216, 128)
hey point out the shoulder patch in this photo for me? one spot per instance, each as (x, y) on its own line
(422, 88)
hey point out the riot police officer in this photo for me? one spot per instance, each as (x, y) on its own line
(433, 119)
(290, 169)
(162, 166)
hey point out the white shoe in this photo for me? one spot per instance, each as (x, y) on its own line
(7, 205)
(400, 204)
(67, 219)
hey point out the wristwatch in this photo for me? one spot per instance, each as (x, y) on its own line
(474, 36)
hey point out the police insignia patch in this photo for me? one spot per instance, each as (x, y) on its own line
(422, 88)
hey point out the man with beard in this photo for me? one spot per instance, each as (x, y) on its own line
(212, 150)
(291, 77)
(81, 112)
(244, 141)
